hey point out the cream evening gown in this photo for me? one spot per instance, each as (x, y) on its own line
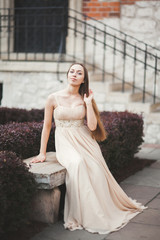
(94, 200)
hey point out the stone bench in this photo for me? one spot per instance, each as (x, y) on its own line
(49, 175)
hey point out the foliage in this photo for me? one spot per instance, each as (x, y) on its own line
(24, 138)
(8, 115)
(125, 131)
(17, 187)
(125, 135)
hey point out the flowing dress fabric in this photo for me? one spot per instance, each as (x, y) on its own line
(94, 200)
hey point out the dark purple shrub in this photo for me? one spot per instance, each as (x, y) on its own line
(125, 132)
(24, 138)
(125, 136)
(17, 187)
(8, 115)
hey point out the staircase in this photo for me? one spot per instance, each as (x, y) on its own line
(109, 97)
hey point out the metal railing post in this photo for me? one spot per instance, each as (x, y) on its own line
(104, 54)
(84, 42)
(155, 80)
(144, 76)
(9, 29)
(114, 59)
(124, 64)
(134, 69)
(94, 47)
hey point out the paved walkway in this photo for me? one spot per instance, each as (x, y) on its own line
(143, 186)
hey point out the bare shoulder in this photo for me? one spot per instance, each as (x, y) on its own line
(51, 100)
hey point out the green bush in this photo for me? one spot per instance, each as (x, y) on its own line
(17, 187)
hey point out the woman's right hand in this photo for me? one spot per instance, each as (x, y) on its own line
(40, 158)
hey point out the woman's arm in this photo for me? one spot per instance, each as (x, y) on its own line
(91, 117)
(45, 131)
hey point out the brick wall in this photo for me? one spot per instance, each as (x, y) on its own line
(104, 8)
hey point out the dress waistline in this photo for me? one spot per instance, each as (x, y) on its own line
(69, 123)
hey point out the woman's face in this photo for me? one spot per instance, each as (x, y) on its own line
(76, 75)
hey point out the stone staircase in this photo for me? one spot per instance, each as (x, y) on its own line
(109, 97)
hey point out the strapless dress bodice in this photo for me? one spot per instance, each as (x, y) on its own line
(69, 116)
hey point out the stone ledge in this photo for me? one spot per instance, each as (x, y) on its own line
(49, 174)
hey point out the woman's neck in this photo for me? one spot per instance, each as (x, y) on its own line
(72, 90)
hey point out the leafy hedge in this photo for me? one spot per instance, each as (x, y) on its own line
(125, 135)
(24, 138)
(17, 187)
(8, 115)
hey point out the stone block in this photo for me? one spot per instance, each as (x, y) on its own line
(144, 12)
(143, 26)
(128, 10)
(134, 231)
(119, 107)
(157, 13)
(100, 97)
(155, 203)
(143, 4)
(100, 107)
(140, 193)
(147, 177)
(108, 107)
(48, 174)
(45, 206)
(153, 129)
(149, 216)
(118, 97)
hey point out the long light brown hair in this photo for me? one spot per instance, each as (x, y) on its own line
(100, 133)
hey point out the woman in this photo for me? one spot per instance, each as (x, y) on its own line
(94, 201)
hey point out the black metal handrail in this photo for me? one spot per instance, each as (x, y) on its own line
(93, 43)
(119, 32)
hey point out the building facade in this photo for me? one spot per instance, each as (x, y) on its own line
(120, 46)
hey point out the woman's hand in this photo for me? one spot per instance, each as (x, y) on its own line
(88, 100)
(40, 158)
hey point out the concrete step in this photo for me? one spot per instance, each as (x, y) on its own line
(118, 86)
(98, 76)
(22, 66)
(155, 107)
(37, 56)
(123, 97)
(118, 97)
(100, 87)
(153, 118)
(138, 107)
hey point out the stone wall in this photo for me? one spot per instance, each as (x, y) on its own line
(142, 20)
(28, 89)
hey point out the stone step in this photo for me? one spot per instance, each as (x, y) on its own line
(118, 86)
(118, 97)
(105, 95)
(123, 97)
(153, 118)
(22, 66)
(156, 107)
(98, 76)
(138, 107)
(37, 56)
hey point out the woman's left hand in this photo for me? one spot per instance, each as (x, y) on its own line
(88, 99)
